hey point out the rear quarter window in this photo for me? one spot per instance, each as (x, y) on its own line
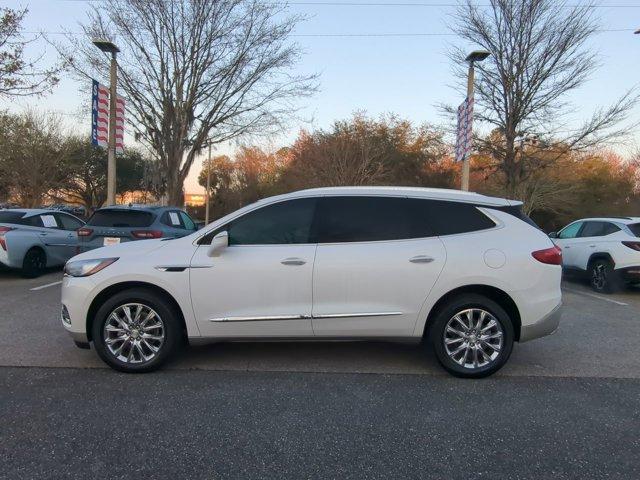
(449, 218)
(121, 218)
(635, 229)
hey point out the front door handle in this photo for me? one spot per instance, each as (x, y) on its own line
(293, 261)
(421, 259)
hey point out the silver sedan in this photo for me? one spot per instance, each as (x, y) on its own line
(34, 239)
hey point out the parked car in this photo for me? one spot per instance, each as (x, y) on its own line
(75, 210)
(605, 250)
(31, 240)
(120, 224)
(465, 271)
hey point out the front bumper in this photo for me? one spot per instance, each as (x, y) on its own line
(545, 326)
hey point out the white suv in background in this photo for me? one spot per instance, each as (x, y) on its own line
(605, 249)
(468, 272)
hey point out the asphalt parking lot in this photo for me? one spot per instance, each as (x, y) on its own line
(565, 406)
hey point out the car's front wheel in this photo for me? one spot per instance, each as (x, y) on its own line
(136, 331)
(472, 336)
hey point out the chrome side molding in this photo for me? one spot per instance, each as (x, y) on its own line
(271, 318)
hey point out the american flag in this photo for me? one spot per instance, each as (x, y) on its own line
(464, 135)
(100, 118)
(100, 115)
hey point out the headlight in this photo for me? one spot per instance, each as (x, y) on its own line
(84, 268)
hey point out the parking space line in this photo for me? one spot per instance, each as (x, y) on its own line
(593, 295)
(46, 286)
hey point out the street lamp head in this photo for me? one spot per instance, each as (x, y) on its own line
(105, 45)
(477, 56)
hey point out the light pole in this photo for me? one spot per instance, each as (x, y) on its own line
(472, 58)
(206, 197)
(109, 47)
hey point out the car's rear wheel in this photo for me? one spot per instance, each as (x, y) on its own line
(136, 331)
(472, 336)
(33, 263)
(603, 277)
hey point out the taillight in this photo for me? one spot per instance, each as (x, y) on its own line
(632, 245)
(147, 233)
(84, 232)
(551, 256)
(3, 242)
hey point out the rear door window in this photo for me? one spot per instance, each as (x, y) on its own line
(369, 219)
(121, 218)
(597, 229)
(172, 219)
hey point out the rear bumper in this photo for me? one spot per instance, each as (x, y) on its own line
(545, 326)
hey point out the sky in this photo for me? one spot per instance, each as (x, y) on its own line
(394, 72)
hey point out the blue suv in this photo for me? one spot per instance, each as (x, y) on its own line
(126, 223)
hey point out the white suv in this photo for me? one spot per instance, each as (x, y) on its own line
(605, 249)
(464, 270)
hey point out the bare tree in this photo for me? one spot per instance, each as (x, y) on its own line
(196, 71)
(539, 55)
(32, 155)
(19, 76)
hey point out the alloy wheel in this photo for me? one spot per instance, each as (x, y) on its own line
(134, 333)
(473, 338)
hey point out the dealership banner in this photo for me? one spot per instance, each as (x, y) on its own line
(99, 115)
(464, 134)
(120, 124)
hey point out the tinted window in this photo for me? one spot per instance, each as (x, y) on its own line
(448, 218)
(516, 211)
(366, 219)
(120, 218)
(281, 223)
(571, 231)
(68, 222)
(12, 217)
(172, 219)
(598, 229)
(635, 229)
(188, 223)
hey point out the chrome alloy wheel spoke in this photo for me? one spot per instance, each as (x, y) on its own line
(478, 343)
(134, 333)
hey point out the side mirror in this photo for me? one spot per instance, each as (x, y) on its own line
(553, 235)
(218, 244)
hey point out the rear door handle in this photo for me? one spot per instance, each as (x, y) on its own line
(421, 259)
(592, 246)
(293, 261)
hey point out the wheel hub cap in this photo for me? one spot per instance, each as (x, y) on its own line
(134, 333)
(473, 338)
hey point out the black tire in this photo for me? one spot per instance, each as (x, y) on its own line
(173, 333)
(34, 263)
(454, 307)
(602, 276)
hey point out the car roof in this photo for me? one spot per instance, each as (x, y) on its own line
(623, 220)
(29, 211)
(136, 207)
(419, 192)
